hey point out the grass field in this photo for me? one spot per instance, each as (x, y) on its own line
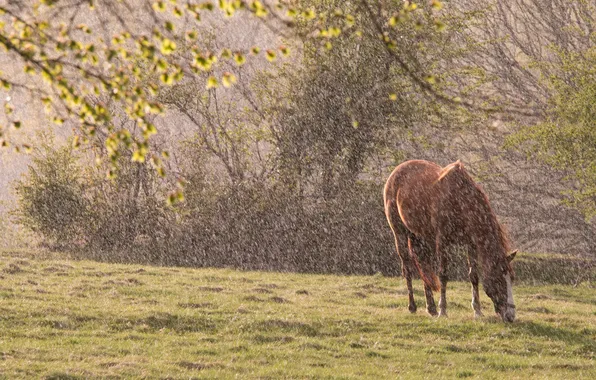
(64, 319)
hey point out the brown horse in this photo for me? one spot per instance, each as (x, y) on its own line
(431, 209)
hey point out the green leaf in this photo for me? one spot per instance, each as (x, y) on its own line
(159, 6)
(309, 14)
(166, 78)
(167, 46)
(138, 156)
(240, 59)
(430, 79)
(226, 54)
(211, 82)
(191, 36)
(271, 55)
(111, 174)
(228, 79)
(202, 62)
(49, 3)
(208, 5)
(171, 199)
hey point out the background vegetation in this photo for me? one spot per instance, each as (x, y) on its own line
(282, 163)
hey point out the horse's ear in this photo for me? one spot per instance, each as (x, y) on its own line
(511, 256)
(450, 168)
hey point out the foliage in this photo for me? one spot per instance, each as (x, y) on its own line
(51, 195)
(71, 205)
(51, 40)
(354, 97)
(281, 164)
(565, 141)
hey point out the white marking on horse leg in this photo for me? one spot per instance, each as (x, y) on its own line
(442, 306)
(443, 301)
(476, 302)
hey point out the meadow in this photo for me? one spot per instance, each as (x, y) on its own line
(71, 319)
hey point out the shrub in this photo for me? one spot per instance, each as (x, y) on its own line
(50, 195)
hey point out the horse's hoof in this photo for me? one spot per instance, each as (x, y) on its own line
(412, 309)
(442, 314)
(432, 312)
(478, 315)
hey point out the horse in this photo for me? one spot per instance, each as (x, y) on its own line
(431, 210)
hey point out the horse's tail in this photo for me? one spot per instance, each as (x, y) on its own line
(391, 211)
(394, 219)
(399, 229)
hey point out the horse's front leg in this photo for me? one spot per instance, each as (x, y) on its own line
(475, 296)
(443, 299)
(441, 250)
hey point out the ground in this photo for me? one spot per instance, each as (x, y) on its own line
(67, 319)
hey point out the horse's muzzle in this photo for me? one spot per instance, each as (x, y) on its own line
(508, 314)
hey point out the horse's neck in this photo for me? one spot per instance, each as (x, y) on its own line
(480, 223)
(482, 227)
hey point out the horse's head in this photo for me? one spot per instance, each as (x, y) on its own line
(498, 287)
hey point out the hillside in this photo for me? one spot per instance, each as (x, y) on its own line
(67, 319)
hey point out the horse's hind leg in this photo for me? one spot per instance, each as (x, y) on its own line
(406, 268)
(431, 308)
(422, 252)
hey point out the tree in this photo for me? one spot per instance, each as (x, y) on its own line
(538, 59)
(52, 40)
(347, 98)
(566, 140)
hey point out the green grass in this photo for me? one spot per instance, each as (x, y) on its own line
(64, 319)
